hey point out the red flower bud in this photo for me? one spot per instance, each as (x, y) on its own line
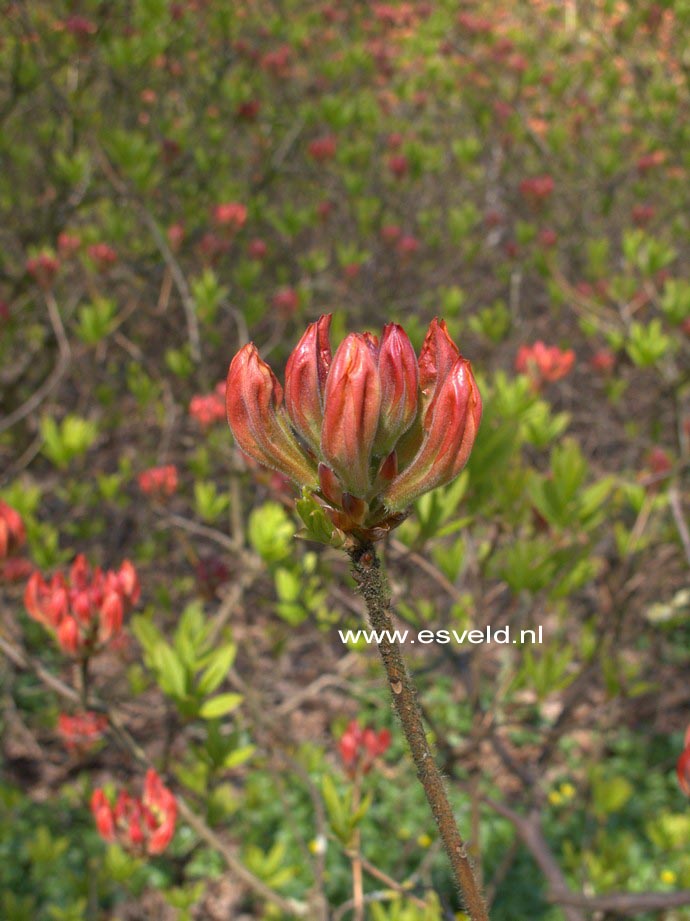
(305, 380)
(451, 424)
(399, 383)
(372, 429)
(68, 636)
(129, 582)
(111, 616)
(258, 421)
(103, 814)
(351, 412)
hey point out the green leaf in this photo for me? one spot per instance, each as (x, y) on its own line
(219, 664)
(171, 671)
(219, 706)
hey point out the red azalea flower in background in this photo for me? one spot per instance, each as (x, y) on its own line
(642, 215)
(43, 268)
(209, 408)
(80, 27)
(257, 249)
(390, 233)
(81, 731)
(84, 611)
(537, 190)
(548, 238)
(176, 235)
(543, 363)
(323, 148)
(231, 216)
(603, 361)
(659, 461)
(398, 165)
(102, 255)
(68, 244)
(407, 245)
(360, 746)
(15, 569)
(144, 825)
(650, 161)
(159, 481)
(248, 110)
(285, 301)
(12, 531)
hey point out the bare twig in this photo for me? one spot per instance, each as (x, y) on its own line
(65, 352)
(681, 524)
(374, 589)
(171, 262)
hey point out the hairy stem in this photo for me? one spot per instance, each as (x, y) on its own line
(373, 586)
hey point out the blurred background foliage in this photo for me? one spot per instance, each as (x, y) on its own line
(180, 177)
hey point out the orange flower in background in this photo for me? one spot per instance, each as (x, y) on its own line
(369, 429)
(544, 364)
(159, 481)
(85, 610)
(209, 408)
(231, 216)
(144, 825)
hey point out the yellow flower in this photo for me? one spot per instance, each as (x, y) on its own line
(667, 876)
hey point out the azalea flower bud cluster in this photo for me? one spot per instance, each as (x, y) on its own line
(85, 610)
(359, 747)
(142, 825)
(368, 430)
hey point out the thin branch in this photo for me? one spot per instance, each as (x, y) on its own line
(171, 262)
(56, 374)
(679, 518)
(529, 830)
(374, 589)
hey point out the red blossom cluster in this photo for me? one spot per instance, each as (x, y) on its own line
(537, 189)
(257, 249)
(81, 731)
(209, 408)
(85, 610)
(360, 746)
(683, 765)
(231, 216)
(142, 825)
(543, 363)
(43, 268)
(323, 148)
(159, 481)
(68, 244)
(102, 255)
